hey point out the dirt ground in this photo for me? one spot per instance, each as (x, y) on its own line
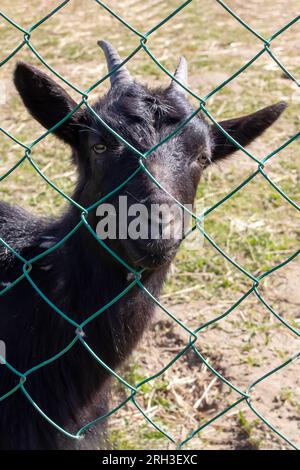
(242, 347)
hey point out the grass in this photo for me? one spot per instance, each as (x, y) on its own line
(256, 227)
(248, 431)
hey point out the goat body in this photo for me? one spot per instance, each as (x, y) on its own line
(79, 278)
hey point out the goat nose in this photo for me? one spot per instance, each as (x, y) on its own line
(166, 222)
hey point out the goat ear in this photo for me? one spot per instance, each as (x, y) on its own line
(243, 129)
(45, 100)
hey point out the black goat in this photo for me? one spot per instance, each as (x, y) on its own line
(80, 276)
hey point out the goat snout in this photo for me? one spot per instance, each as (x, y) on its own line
(160, 231)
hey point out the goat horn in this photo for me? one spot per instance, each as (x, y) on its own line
(181, 74)
(121, 76)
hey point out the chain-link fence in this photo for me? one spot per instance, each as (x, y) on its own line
(142, 44)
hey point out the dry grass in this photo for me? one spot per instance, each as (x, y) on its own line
(256, 227)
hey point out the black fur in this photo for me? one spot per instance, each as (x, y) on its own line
(80, 276)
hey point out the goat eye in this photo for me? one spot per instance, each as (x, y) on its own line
(99, 148)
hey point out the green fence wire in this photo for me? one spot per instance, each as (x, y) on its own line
(244, 395)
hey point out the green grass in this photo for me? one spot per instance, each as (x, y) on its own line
(248, 431)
